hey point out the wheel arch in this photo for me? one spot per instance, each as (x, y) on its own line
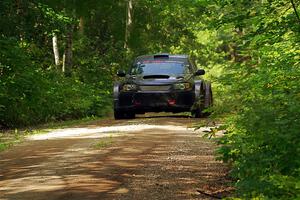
(199, 87)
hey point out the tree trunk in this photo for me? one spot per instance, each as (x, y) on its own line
(55, 49)
(295, 10)
(81, 25)
(68, 54)
(128, 23)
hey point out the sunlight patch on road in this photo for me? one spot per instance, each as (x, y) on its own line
(25, 184)
(100, 132)
(120, 191)
(48, 183)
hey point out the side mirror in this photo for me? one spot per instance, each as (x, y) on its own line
(121, 73)
(199, 72)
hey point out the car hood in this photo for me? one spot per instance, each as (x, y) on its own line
(155, 81)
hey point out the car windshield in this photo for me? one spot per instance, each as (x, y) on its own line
(170, 68)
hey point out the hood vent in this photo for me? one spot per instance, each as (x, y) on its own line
(156, 77)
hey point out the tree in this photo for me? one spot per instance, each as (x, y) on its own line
(68, 54)
(261, 93)
(55, 49)
(128, 22)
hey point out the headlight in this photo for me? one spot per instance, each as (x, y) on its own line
(129, 87)
(182, 86)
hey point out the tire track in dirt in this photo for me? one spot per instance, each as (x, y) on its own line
(154, 163)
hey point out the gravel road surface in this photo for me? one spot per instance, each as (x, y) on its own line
(152, 157)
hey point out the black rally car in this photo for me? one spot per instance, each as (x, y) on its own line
(161, 83)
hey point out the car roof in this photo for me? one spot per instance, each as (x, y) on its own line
(163, 56)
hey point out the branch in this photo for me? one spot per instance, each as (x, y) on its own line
(295, 10)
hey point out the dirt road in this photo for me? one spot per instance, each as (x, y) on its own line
(146, 158)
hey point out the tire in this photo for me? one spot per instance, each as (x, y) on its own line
(205, 103)
(208, 98)
(197, 113)
(118, 114)
(130, 115)
(123, 115)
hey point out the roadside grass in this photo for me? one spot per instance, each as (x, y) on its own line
(68, 123)
(11, 137)
(8, 139)
(4, 145)
(104, 142)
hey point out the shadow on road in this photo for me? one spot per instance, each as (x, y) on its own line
(163, 116)
(154, 163)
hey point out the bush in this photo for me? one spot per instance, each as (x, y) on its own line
(30, 96)
(264, 127)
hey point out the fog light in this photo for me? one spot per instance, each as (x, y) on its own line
(172, 102)
(137, 103)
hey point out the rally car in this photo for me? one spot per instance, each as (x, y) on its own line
(162, 83)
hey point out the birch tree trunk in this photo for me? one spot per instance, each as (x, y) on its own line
(55, 49)
(128, 23)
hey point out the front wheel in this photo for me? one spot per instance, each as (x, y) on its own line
(208, 99)
(197, 113)
(130, 115)
(204, 103)
(119, 114)
(124, 115)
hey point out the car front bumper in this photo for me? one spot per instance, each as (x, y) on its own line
(155, 101)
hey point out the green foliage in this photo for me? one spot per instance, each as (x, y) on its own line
(30, 96)
(32, 90)
(250, 50)
(103, 143)
(261, 92)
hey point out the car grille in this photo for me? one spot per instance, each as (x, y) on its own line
(155, 87)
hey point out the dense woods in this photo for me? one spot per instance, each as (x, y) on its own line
(261, 93)
(58, 59)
